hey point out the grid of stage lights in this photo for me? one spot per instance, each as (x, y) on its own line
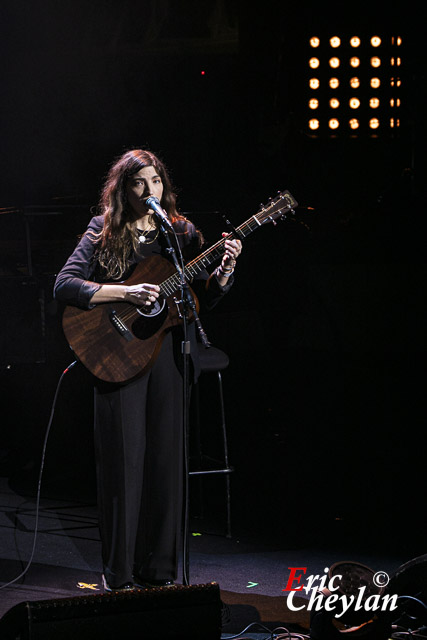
(354, 85)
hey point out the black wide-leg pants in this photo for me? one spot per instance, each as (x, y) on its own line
(139, 460)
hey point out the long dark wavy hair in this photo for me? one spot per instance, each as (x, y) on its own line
(118, 240)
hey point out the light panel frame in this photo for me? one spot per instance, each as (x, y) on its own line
(356, 84)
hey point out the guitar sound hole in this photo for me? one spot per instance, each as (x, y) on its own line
(148, 324)
(153, 309)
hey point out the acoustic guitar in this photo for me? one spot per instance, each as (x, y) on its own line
(120, 341)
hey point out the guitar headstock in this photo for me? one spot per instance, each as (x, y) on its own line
(279, 207)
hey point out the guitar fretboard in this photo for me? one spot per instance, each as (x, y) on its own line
(278, 207)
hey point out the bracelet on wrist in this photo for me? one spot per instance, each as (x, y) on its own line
(226, 273)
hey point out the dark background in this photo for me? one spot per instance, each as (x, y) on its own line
(324, 326)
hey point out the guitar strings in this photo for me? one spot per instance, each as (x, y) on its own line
(195, 266)
(172, 283)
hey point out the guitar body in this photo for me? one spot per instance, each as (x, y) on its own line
(119, 341)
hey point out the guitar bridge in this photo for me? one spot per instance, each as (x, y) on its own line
(119, 325)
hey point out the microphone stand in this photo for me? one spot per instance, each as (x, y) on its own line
(188, 303)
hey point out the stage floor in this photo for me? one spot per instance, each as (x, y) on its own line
(251, 568)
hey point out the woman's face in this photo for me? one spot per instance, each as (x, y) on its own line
(141, 186)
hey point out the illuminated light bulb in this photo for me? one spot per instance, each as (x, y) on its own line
(354, 103)
(355, 41)
(374, 103)
(313, 124)
(334, 83)
(375, 62)
(354, 123)
(334, 123)
(314, 42)
(354, 62)
(314, 63)
(375, 41)
(354, 83)
(314, 83)
(335, 42)
(334, 103)
(334, 63)
(374, 123)
(375, 83)
(313, 103)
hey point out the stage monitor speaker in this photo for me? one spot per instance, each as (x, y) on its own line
(189, 613)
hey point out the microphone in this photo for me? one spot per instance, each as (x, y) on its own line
(154, 205)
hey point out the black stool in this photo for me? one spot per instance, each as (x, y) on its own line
(212, 361)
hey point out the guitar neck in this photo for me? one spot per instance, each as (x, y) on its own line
(278, 207)
(205, 259)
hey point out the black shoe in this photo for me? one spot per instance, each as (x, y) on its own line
(151, 584)
(127, 586)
